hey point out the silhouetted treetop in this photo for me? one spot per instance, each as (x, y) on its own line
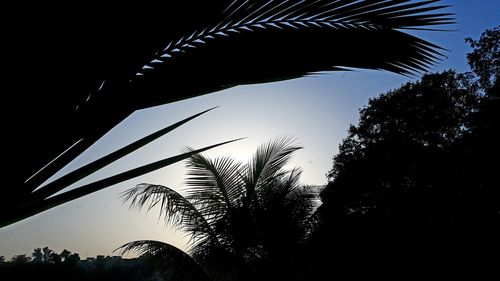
(434, 111)
(485, 63)
(413, 191)
(484, 60)
(20, 259)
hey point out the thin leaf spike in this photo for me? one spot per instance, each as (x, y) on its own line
(90, 168)
(43, 205)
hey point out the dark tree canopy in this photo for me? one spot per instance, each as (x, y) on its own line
(432, 112)
(405, 148)
(484, 60)
(413, 191)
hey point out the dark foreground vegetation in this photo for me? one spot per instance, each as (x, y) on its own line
(413, 194)
(414, 190)
(97, 62)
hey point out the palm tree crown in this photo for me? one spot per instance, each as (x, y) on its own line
(241, 218)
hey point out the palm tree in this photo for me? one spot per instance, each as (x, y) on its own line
(82, 86)
(243, 220)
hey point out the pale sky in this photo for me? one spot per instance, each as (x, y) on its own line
(317, 110)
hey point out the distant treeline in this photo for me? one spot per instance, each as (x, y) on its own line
(45, 264)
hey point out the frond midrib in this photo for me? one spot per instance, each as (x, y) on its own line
(349, 22)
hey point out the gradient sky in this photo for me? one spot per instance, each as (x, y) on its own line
(317, 110)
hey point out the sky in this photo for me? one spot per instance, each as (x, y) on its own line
(317, 110)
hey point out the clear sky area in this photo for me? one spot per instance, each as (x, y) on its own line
(316, 109)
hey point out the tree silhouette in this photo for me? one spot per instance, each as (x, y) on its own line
(20, 259)
(47, 256)
(82, 83)
(484, 60)
(37, 255)
(413, 190)
(102, 268)
(69, 258)
(245, 221)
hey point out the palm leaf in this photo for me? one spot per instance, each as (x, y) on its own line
(217, 45)
(261, 41)
(286, 183)
(176, 264)
(285, 189)
(88, 169)
(235, 235)
(35, 207)
(268, 162)
(214, 181)
(216, 188)
(174, 208)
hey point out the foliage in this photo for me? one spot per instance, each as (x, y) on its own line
(20, 259)
(47, 255)
(484, 60)
(402, 138)
(216, 44)
(45, 197)
(68, 266)
(413, 191)
(433, 112)
(245, 221)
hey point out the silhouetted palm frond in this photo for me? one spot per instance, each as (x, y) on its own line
(174, 208)
(32, 203)
(175, 263)
(231, 229)
(214, 181)
(282, 187)
(189, 49)
(267, 163)
(261, 41)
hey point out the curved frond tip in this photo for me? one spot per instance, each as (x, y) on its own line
(175, 262)
(173, 207)
(247, 18)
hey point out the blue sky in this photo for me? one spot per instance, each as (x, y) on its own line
(317, 110)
